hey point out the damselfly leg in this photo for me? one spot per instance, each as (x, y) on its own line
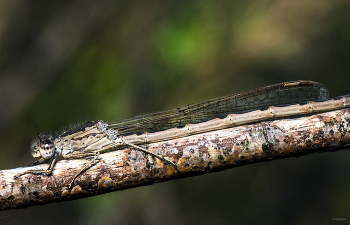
(48, 171)
(151, 153)
(86, 166)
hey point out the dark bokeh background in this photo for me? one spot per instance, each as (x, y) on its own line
(64, 62)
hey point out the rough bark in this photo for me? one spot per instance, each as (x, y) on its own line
(194, 155)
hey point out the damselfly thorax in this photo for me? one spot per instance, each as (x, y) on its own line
(83, 139)
(275, 101)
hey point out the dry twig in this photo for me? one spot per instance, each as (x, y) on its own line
(194, 155)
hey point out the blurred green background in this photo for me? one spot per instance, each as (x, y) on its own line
(64, 62)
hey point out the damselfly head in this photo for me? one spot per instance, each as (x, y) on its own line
(43, 147)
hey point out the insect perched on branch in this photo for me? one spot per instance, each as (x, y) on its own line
(93, 138)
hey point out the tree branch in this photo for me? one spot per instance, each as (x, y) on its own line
(194, 155)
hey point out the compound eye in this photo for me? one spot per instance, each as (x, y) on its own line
(46, 149)
(35, 151)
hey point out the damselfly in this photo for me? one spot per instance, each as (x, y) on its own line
(92, 138)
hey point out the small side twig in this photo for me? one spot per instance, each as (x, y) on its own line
(193, 155)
